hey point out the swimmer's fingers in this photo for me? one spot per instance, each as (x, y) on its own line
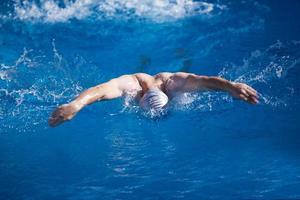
(252, 96)
(253, 99)
(61, 114)
(56, 117)
(253, 91)
(55, 121)
(243, 97)
(245, 92)
(248, 98)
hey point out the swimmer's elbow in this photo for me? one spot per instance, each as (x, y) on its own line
(107, 92)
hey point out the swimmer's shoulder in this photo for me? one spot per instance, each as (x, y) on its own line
(170, 74)
(163, 75)
(141, 75)
(137, 77)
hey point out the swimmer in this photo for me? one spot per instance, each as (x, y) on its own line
(152, 92)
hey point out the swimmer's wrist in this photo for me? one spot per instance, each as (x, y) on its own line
(76, 105)
(229, 86)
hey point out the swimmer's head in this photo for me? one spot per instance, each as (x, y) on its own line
(154, 99)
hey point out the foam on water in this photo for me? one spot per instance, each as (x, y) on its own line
(155, 10)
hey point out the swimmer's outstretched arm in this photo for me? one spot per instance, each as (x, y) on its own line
(106, 91)
(192, 82)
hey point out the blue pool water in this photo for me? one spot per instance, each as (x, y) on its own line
(208, 146)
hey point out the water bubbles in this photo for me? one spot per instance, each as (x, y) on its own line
(4, 75)
(279, 71)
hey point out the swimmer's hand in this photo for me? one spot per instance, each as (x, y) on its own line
(244, 92)
(63, 113)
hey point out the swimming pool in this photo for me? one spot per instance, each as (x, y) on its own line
(208, 146)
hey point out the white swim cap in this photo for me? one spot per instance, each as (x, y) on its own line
(154, 99)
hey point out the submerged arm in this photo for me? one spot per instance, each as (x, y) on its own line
(191, 82)
(106, 91)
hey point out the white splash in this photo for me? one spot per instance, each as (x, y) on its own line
(51, 11)
(24, 105)
(264, 67)
(3, 75)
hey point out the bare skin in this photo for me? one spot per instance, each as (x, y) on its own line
(169, 83)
